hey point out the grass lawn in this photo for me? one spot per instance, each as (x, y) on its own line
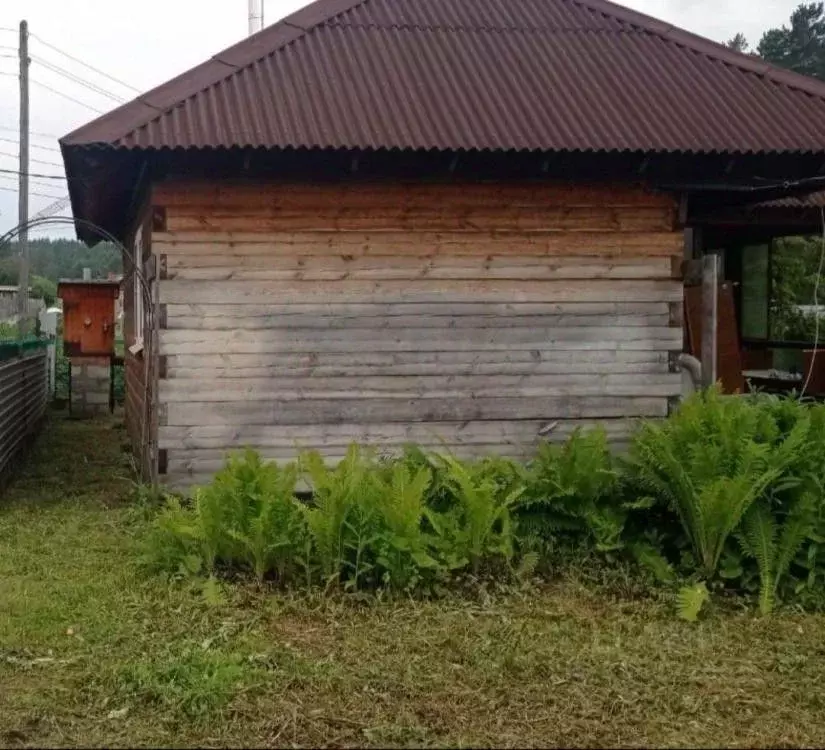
(94, 652)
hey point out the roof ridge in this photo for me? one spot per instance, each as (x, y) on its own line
(706, 46)
(502, 29)
(142, 110)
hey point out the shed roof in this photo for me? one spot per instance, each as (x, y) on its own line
(485, 75)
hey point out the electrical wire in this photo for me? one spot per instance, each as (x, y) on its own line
(817, 311)
(31, 145)
(35, 174)
(66, 96)
(37, 183)
(77, 79)
(33, 161)
(84, 64)
(31, 132)
(31, 192)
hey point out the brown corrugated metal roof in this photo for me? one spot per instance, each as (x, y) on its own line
(543, 75)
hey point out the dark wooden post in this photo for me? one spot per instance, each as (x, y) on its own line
(711, 272)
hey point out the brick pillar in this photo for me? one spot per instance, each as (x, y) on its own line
(90, 386)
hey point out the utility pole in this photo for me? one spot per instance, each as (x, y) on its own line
(23, 188)
(256, 16)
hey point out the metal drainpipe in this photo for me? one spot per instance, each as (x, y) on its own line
(693, 367)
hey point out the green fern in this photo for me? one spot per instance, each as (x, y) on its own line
(527, 566)
(710, 463)
(477, 527)
(652, 560)
(690, 600)
(774, 546)
(758, 540)
(342, 506)
(571, 492)
(404, 552)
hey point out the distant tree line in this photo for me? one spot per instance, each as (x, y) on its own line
(55, 259)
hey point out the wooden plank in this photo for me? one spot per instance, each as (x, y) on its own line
(447, 358)
(419, 337)
(238, 387)
(487, 370)
(436, 433)
(491, 362)
(424, 388)
(280, 412)
(657, 269)
(200, 463)
(487, 311)
(430, 217)
(246, 248)
(655, 340)
(411, 264)
(436, 323)
(262, 292)
(409, 195)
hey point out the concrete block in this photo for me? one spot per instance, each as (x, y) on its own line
(90, 387)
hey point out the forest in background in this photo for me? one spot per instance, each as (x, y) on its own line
(55, 259)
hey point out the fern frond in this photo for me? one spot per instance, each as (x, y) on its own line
(690, 600)
(649, 558)
(527, 566)
(758, 539)
(798, 526)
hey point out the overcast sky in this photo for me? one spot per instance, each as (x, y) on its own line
(147, 42)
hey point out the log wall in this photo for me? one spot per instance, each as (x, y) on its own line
(472, 316)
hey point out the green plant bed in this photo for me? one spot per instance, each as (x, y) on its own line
(725, 495)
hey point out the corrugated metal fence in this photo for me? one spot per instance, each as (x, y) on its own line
(23, 396)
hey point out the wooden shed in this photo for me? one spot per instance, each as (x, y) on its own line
(454, 224)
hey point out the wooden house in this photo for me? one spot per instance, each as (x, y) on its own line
(455, 223)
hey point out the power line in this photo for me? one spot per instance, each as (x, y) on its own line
(66, 96)
(31, 192)
(41, 183)
(85, 64)
(36, 161)
(35, 174)
(31, 132)
(77, 79)
(33, 145)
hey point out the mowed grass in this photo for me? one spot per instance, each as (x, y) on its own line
(96, 652)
